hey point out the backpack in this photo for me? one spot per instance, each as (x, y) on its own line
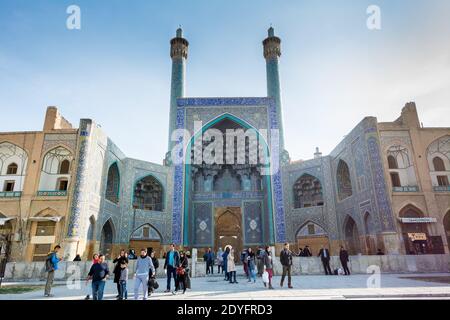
(49, 264)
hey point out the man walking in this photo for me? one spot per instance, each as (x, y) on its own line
(324, 255)
(143, 266)
(171, 263)
(343, 256)
(286, 262)
(51, 265)
(259, 261)
(99, 273)
(208, 257)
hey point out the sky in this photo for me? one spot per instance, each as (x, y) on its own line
(116, 68)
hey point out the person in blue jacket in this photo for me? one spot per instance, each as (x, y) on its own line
(51, 265)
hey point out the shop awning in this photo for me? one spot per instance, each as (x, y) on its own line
(54, 219)
(5, 220)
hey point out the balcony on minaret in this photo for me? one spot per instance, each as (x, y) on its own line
(179, 46)
(272, 45)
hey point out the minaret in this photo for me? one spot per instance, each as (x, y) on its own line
(272, 51)
(178, 53)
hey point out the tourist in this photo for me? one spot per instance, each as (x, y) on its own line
(380, 253)
(231, 267)
(51, 265)
(99, 273)
(123, 293)
(225, 261)
(208, 257)
(143, 266)
(306, 252)
(183, 273)
(343, 256)
(170, 265)
(152, 275)
(259, 261)
(219, 261)
(286, 262)
(77, 258)
(324, 255)
(300, 252)
(244, 262)
(268, 265)
(250, 260)
(89, 287)
(117, 269)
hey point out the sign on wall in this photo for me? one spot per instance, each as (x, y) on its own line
(417, 236)
(418, 220)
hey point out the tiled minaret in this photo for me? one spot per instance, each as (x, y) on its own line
(272, 51)
(178, 53)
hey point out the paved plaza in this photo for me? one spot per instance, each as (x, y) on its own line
(392, 286)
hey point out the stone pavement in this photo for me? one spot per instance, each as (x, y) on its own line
(393, 286)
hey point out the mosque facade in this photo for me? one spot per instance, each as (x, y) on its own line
(384, 186)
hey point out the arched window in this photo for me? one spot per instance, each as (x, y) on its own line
(148, 194)
(438, 164)
(343, 181)
(307, 192)
(54, 159)
(113, 184)
(12, 159)
(392, 162)
(64, 167)
(12, 169)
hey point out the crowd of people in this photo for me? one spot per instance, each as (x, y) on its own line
(176, 267)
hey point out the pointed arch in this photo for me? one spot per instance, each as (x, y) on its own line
(141, 234)
(148, 194)
(9, 153)
(147, 236)
(91, 228)
(307, 191)
(343, 181)
(264, 182)
(107, 238)
(368, 223)
(113, 184)
(310, 228)
(351, 235)
(54, 158)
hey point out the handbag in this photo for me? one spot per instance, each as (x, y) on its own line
(180, 271)
(265, 277)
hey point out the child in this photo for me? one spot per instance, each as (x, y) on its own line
(123, 281)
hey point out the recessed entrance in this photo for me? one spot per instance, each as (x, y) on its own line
(228, 230)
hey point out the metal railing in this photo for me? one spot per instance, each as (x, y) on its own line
(406, 189)
(10, 194)
(441, 188)
(55, 193)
